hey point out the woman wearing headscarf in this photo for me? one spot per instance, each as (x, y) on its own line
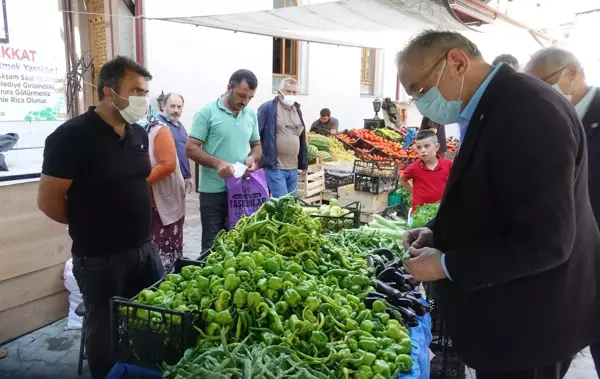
(168, 193)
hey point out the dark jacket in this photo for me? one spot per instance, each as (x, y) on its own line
(591, 124)
(520, 239)
(267, 126)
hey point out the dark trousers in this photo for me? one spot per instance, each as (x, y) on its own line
(122, 274)
(213, 216)
(595, 350)
(555, 371)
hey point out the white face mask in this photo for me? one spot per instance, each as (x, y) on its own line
(136, 110)
(556, 86)
(289, 100)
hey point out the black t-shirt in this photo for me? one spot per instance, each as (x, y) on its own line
(109, 203)
(441, 132)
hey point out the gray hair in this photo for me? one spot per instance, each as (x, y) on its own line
(440, 41)
(554, 57)
(285, 81)
(166, 99)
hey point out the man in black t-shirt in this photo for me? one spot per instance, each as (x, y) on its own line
(94, 179)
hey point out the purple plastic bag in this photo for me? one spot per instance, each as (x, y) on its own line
(245, 195)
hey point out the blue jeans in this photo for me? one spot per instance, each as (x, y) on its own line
(282, 182)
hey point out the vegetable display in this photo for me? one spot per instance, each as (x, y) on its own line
(332, 217)
(392, 149)
(389, 135)
(406, 197)
(329, 149)
(357, 241)
(275, 291)
(423, 214)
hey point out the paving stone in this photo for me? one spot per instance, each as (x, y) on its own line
(35, 354)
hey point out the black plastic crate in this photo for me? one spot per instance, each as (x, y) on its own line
(381, 169)
(149, 335)
(374, 185)
(446, 364)
(334, 180)
(336, 223)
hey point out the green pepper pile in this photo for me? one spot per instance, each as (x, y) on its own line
(275, 280)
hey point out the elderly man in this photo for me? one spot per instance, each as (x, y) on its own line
(515, 243)
(562, 70)
(171, 112)
(224, 132)
(283, 137)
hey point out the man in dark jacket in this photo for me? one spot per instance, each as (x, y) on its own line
(563, 71)
(283, 137)
(514, 249)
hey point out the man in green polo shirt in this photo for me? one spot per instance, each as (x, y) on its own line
(224, 132)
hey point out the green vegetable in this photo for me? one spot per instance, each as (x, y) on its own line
(232, 282)
(292, 297)
(174, 278)
(378, 306)
(223, 317)
(240, 298)
(423, 214)
(381, 367)
(403, 362)
(319, 339)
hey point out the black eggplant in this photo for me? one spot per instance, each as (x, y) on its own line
(377, 294)
(378, 263)
(408, 315)
(403, 314)
(416, 294)
(409, 280)
(396, 263)
(419, 308)
(387, 290)
(401, 302)
(383, 252)
(391, 275)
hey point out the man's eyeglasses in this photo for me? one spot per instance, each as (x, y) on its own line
(421, 91)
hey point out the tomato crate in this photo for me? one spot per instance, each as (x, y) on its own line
(349, 220)
(149, 335)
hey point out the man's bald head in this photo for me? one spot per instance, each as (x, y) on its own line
(444, 60)
(173, 106)
(430, 43)
(552, 59)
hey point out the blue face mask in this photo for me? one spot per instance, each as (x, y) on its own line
(436, 108)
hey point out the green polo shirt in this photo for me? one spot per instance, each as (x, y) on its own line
(225, 136)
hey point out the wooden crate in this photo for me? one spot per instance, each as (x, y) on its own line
(311, 184)
(369, 203)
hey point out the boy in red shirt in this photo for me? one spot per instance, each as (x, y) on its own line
(429, 174)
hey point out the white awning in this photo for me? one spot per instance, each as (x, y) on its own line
(357, 23)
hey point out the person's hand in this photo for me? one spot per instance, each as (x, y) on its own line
(250, 164)
(426, 264)
(189, 185)
(225, 170)
(418, 238)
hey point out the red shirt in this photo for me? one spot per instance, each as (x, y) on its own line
(428, 185)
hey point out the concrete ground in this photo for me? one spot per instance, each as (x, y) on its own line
(52, 352)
